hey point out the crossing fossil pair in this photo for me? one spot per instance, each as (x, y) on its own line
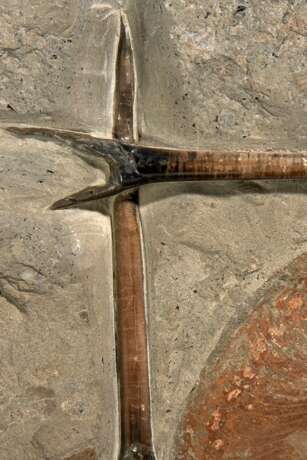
(130, 165)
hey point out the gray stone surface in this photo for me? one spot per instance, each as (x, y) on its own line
(57, 385)
(226, 72)
(58, 63)
(221, 71)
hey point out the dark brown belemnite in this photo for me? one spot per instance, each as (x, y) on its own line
(156, 165)
(132, 354)
(131, 166)
(124, 92)
(131, 328)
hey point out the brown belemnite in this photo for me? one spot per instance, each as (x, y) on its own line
(136, 436)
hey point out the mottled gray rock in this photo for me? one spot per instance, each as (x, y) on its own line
(227, 72)
(220, 72)
(57, 385)
(58, 63)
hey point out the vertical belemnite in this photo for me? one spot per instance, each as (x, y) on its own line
(123, 128)
(132, 352)
(131, 335)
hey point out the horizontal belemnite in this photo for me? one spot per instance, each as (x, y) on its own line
(134, 165)
(172, 164)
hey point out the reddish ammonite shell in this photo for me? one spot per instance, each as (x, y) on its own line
(252, 402)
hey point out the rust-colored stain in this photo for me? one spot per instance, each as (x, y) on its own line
(252, 404)
(87, 454)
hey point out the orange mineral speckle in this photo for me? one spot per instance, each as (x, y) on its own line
(217, 418)
(234, 394)
(248, 373)
(296, 302)
(218, 444)
(237, 380)
(258, 347)
(281, 300)
(277, 331)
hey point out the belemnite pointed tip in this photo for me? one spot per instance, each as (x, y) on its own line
(61, 204)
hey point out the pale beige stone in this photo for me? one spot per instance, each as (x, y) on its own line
(221, 72)
(58, 63)
(58, 391)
